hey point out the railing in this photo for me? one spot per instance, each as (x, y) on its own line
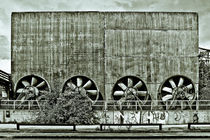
(152, 105)
(113, 105)
(19, 104)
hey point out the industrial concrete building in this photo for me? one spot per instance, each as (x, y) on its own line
(142, 56)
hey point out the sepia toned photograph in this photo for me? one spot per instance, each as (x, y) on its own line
(114, 69)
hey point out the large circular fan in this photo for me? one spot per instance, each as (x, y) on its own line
(84, 86)
(130, 88)
(177, 88)
(31, 87)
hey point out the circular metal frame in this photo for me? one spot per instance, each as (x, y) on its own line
(83, 85)
(129, 88)
(31, 84)
(177, 88)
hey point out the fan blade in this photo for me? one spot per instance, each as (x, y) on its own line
(121, 100)
(79, 82)
(43, 91)
(43, 83)
(33, 81)
(25, 83)
(21, 90)
(173, 85)
(141, 93)
(189, 96)
(130, 82)
(190, 86)
(92, 92)
(29, 96)
(167, 89)
(138, 85)
(41, 97)
(88, 84)
(181, 81)
(21, 96)
(91, 100)
(123, 86)
(71, 85)
(118, 93)
(167, 97)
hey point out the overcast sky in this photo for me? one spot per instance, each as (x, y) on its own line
(9, 6)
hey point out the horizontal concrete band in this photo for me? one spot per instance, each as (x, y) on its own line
(108, 135)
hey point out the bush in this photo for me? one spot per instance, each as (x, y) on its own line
(68, 108)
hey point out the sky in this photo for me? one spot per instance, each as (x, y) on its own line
(202, 7)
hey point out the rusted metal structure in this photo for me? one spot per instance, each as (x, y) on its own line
(107, 55)
(204, 56)
(5, 85)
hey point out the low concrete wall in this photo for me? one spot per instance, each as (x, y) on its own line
(164, 117)
(16, 115)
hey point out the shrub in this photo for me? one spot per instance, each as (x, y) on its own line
(68, 108)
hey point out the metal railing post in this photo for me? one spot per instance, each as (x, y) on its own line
(167, 105)
(197, 105)
(105, 105)
(18, 126)
(28, 105)
(182, 107)
(136, 105)
(14, 104)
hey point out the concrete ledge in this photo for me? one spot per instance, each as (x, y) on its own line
(94, 135)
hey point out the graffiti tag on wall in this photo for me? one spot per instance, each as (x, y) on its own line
(163, 117)
(155, 117)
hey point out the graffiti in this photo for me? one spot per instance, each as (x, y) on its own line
(127, 117)
(144, 117)
(134, 117)
(181, 117)
(118, 117)
(195, 118)
(159, 115)
(137, 117)
(107, 117)
(177, 116)
(155, 117)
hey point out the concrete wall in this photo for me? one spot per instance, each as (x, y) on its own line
(152, 46)
(163, 117)
(58, 46)
(105, 46)
(16, 115)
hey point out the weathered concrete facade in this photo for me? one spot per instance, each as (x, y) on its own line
(113, 117)
(105, 46)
